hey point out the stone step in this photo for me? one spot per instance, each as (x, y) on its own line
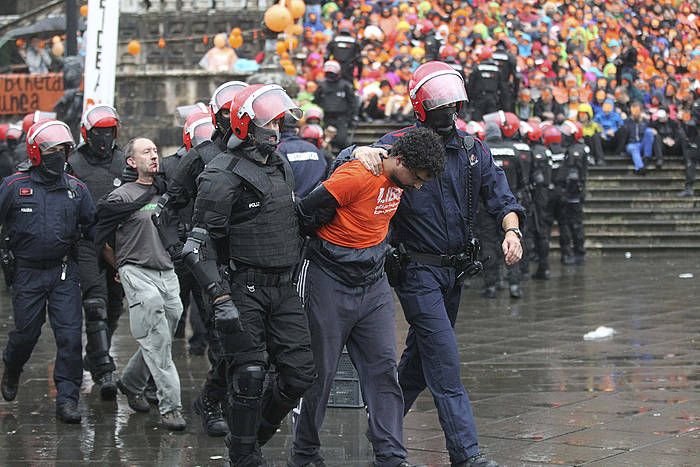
(603, 190)
(594, 225)
(623, 214)
(599, 239)
(639, 202)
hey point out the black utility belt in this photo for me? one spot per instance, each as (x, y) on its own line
(261, 278)
(40, 264)
(437, 260)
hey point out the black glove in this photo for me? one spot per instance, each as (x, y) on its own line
(129, 174)
(175, 252)
(227, 319)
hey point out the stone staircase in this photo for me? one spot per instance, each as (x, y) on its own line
(624, 212)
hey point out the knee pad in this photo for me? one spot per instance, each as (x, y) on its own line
(248, 381)
(292, 390)
(95, 309)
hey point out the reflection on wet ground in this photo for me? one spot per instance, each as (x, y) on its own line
(542, 395)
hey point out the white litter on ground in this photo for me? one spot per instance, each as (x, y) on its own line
(601, 333)
(685, 275)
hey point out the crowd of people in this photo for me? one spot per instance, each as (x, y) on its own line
(555, 61)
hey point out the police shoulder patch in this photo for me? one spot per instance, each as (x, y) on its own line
(26, 191)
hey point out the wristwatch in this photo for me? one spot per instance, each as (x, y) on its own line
(517, 232)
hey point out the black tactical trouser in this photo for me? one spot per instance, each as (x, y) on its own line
(199, 316)
(528, 242)
(342, 124)
(276, 331)
(691, 155)
(540, 226)
(97, 283)
(491, 237)
(569, 217)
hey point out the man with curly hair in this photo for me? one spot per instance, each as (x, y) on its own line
(346, 294)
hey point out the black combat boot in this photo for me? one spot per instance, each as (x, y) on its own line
(212, 418)
(67, 412)
(10, 382)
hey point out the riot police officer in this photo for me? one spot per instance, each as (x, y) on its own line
(182, 191)
(509, 71)
(242, 250)
(345, 50)
(571, 177)
(505, 156)
(552, 140)
(486, 84)
(336, 97)
(30, 119)
(44, 212)
(99, 163)
(308, 161)
(197, 128)
(436, 226)
(7, 165)
(690, 145)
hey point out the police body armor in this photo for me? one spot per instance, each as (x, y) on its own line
(692, 133)
(541, 175)
(100, 176)
(487, 78)
(572, 172)
(271, 238)
(557, 156)
(525, 157)
(343, 48)
(505, 156)
(334, 98)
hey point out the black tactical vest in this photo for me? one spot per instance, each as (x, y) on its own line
(100, 178)
(504, 155)
(525, 156)
(271, 239)
(541, 167)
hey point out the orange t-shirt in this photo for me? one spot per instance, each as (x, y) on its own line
(366, 205)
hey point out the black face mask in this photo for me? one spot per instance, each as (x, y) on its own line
(222, 123)
(332, 76)
(266, 141)
(442, 120)
(12, 144)
(101, 141)
(52, 165)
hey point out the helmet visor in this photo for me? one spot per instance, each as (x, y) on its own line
(224, 95)
(201, 131)
(101, 116)
(185, 111)
(51, 134)
(271, 105)
(442, 89)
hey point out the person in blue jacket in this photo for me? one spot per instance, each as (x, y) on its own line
(434, 227)
(44, 212)
(610, 120)
(309, 163)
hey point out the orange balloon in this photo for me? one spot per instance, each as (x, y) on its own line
(235, 41)
(285, 62)
(277, 18)
(83, 10)
(297, 8)
(161, 43)
(236, 31)
(290, 70)
(281, 47)
(134, 47)
(292, 42)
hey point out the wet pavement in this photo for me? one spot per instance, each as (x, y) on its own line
(542, 395)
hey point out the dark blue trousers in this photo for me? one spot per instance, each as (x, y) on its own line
(32, 291)
(430, 300)
(362, 319)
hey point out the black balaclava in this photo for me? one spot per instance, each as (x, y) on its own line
(330, 76)
(442, 119)
(266, 140)
(52, 165)
(223, 124)
(101, 141)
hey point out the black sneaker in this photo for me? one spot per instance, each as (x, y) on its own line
(108, 387)
(10, 383)
(212, 419)
(478, 460)
(67, 412)
(136, 401)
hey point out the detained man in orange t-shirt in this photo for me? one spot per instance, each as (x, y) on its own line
(347, 296)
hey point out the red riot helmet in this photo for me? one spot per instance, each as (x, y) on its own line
(47, 134)
(331, 66)
(223, 96)
(551, 135)
(99, 116)
(572, 130)
(508, 122)
(31, 118)
(475, 128)
(312, 133)
(532, 133)
(3, 131)
(433, 85)
(313, 113)
(198, 128)
(259, 104)
(14, 133)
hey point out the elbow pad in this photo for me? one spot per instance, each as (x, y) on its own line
(317, 208)
(199, 256)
